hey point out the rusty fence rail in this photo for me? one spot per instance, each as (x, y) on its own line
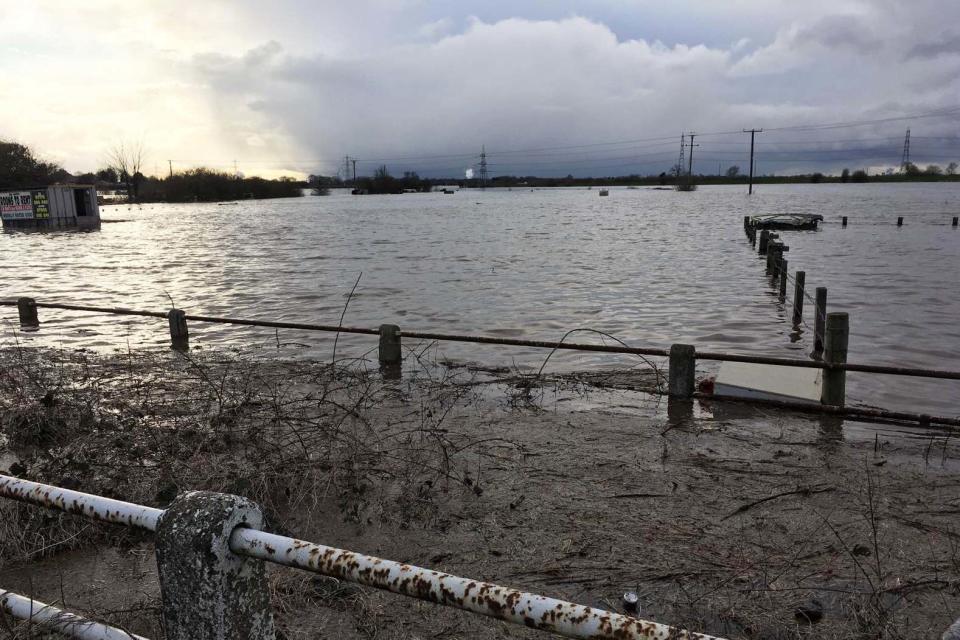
(218, 588)
(54, 619)
(542, 344)
(830, 353)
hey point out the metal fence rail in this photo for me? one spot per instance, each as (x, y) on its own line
(541, 344)
(78, 503)
(50, 617)
(532, 610)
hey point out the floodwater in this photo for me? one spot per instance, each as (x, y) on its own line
(650, 267)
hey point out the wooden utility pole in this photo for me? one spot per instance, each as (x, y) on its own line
(752, 133)
(690, 159)
(170, 162)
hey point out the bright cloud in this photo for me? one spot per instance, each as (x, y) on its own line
(296, 86)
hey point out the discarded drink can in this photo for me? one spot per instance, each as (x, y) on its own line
(631, 602)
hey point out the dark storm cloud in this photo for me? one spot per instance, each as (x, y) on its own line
(298, 84)
(948, 44)
(527, 84)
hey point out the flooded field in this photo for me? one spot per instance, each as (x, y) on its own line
(650, 267)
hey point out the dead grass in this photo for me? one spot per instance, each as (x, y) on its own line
(745, 526)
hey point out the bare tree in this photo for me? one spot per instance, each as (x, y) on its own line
(127, 159)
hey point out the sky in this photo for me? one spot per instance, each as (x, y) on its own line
(592, 88)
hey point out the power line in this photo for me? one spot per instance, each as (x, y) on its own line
(483, 167)
(691, 145)
(905, 161)
(657, 141)
(753, 133)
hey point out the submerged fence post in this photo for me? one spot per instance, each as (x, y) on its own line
(208, 592)
(783, 263)
(900, 221)
(179, 336)
(771, 255)
(836, 339)
(844, 222)
(764, 239)
(27, 308)
(956, 219)
(390, 353)
(800, 279)
(819, 321)
(683, 369)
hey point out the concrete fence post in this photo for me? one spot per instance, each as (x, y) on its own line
(390, 353)
(800, 278)
(819, 321)
(836, 339)
(683, 369)
(208, 592)
(179, 336)
(27, 308)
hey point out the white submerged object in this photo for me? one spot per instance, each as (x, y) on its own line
(787, 221)
(769, 382)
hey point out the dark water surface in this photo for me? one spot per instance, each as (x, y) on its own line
(650, 267)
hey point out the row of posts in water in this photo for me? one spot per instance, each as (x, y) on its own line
(831, 332)
(954, 222)
(773, 248)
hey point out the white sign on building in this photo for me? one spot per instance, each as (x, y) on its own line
(16, 205)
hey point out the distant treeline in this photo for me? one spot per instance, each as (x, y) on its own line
(383, 182)
(206, 185)
(20, 169)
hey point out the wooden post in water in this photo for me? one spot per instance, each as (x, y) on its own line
(900, 221)
(836, 340)
(955, 220)
(772, 248)
(775, 251)
(783, 277)
(682, 371)
(800, 278)
(179, 336)
(746, 225)
(819, 322)
(389, 353)
(764, 239)
(27, 308)
(843, 222)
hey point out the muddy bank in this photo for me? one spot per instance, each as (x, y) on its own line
(737, 522)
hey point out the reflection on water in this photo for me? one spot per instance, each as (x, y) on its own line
(651, 267)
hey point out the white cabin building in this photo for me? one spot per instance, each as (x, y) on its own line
(61, 206)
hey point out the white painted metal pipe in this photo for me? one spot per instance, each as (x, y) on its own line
(85, 504)
(538, 612)
(535, 611)
(66, 623)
